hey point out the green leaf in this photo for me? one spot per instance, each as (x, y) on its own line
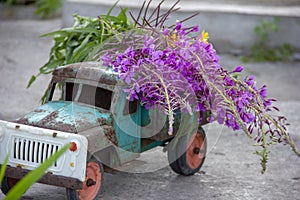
(62, 32)
(32, 79)
(76, 43)
(44, 97)
(20, 188)
(3, 168)
(111, 9)
(45, 8)
(122, 16)
(82, 54)
(94, 52)
(49, 67)
(77, 54)
(87, 30)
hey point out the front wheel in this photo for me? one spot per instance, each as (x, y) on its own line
(92, 185)
(188, 154)
(7, 184)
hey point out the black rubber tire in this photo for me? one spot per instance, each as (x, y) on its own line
(74, 195)
(5, 186)
(173, 161)
(179, 163)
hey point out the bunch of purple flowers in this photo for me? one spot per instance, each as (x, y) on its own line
(171, 69)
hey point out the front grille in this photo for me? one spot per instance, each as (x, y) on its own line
(33, 152)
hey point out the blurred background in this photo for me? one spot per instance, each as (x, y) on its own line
(231, 23)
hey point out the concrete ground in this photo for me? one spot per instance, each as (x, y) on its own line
(231, 170)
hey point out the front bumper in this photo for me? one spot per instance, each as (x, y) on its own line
(28, 147)
(48, 178)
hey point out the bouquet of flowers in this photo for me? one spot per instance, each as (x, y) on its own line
(176, 67)
(172, 67)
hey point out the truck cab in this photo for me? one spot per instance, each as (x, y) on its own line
(86, 105)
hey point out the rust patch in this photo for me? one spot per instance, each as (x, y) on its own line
(101, 121)
(110, 134)
(110, 170)
(59, 126)
(39, 110)
(48, 178)
(24, 121)
(54, 134)
(89, 71)
(49, 122)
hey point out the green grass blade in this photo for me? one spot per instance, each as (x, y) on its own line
(111, 9)
(17, 191)
(122, 15)
(3, 168)
(32, 79)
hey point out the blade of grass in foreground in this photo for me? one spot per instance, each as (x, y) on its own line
(3, 168)
(20, 188)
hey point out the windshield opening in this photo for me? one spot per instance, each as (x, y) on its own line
(87, 94)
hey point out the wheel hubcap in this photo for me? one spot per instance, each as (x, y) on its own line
(92, 183)
(195, 151)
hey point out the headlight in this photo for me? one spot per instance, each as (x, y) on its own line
(74, 146)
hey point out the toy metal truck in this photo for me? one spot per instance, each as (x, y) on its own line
(91, 111)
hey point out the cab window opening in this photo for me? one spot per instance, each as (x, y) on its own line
(87, 94)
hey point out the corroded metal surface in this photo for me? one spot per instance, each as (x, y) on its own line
(92, 71)
(48, 178)
(99, 138)
(66, 116)
(110, 134)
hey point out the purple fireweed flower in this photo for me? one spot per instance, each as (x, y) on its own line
(250, 80)
(221, 115)
(166, 31)
(248, 117)
(192, 77)
(157, 55)
(195, 29)
(238, 69)
(263, 91)
(178, 26)
(106, 59)
(228, 81)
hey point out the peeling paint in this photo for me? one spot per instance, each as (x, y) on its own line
(65, 116)
(93, 71)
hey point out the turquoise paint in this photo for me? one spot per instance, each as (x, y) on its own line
(145, 116)
(69, 114)
(128, 130)
(43, 111)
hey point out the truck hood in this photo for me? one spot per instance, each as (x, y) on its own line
(66, 116)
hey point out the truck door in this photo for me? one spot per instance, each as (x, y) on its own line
(127, 124)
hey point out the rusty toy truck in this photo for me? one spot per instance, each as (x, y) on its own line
(87, 107)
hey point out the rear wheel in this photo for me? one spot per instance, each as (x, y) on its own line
(190, 153)
(7, 184)
(92, 185)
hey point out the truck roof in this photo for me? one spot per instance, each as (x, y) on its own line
(93, 71)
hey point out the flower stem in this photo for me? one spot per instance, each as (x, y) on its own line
(230, 104)
(170, 111)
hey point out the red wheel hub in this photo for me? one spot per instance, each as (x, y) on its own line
(195, 151)
(92, 183)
